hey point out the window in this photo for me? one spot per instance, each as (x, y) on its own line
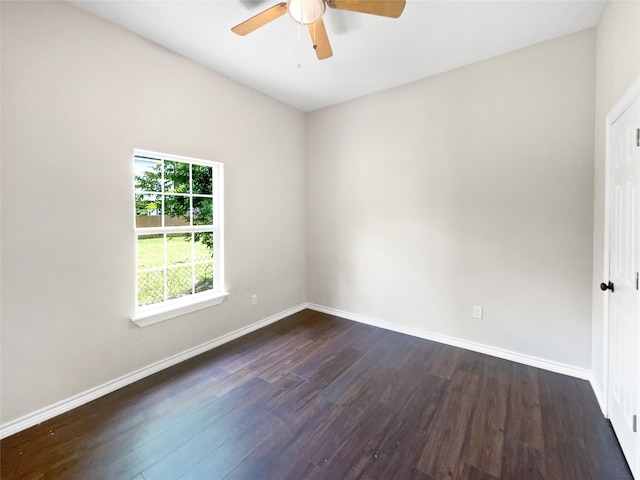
(178, 225)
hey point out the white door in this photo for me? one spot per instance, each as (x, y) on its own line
(624, 297)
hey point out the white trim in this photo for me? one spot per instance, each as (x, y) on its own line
(599, 393)
(157, 312)
(616, 111)
(63, 406)
(174, 158)
(532, 361)
(604, 396)
(174, 308)
(619, 108)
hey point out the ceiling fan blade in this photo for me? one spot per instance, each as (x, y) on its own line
(260, 19)
(320, 40)
(385, 8)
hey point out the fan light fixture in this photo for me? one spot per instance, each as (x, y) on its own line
(306, 12)
(310, 12)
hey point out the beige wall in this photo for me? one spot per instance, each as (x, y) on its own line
(617, 66)
(78, 95)
(474, 187)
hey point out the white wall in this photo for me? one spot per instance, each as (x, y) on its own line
(617, 66)
(78, 95)
(474, 187)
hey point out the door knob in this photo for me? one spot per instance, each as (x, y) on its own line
(606, 286)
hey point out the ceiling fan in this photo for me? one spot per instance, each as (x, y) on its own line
(310, 12)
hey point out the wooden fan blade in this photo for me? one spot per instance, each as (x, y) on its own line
(320, 40)
(385, 8)
(260, 19)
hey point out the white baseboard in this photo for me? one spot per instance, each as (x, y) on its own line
(532, 361)
(599, 393)
(63, 406)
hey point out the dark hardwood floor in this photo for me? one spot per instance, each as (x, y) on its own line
(318, 397)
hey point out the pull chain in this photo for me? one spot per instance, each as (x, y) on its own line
(299, 26)
(314, 36)
(299, 56)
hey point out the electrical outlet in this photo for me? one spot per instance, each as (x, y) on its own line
(254, 299)
(477, 312)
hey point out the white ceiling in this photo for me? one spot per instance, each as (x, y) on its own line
(370, 53)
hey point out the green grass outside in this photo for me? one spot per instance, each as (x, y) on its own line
(151, 255)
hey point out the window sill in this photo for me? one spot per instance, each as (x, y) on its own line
(158, 314)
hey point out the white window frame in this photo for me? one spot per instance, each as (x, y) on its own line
(165, 310)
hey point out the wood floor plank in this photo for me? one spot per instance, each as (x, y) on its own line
(598, 437)
(343, 385)
(368, 387)
(569, 430)
(304, 355)
(394, 351)
(393, 469)
(441, 452)
(393, 354)
(398, 450)
(419, 358)
(346, 432)
(361, 337)
(310, 425)
(345, 465)
(263, 351)
(301, 401)
(444, 361)
(485, 437)
(609, 460)
(560, 455)
(221, 461)
(422, 404)
(399, 388)
(324, 360)
(407, 472)
(248, 345)
(271, 462)
(150, 444)
(300, 322)
(524, 413)
(522, 462)
(181, 459)
(426, 399)
(255, 368)
(465, 471)
(339, 431)
(84, 441)
(317, 397)
(312, 324)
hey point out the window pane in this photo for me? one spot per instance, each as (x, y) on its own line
(179, 248)
(177, 207)
(150, 287)
(150, 251)
(204, 277)
(202, 180)
(202, 211)
(179, 282)
(174, 197)
(203, 246)
(147, 175)
(176, 177)
(148, 210)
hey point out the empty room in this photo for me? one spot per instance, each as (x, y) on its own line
(320, 239)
